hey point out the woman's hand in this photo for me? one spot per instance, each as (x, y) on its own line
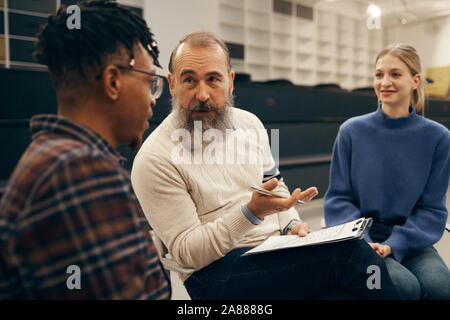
(383, 250)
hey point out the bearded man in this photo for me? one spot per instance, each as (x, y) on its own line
(206, 214)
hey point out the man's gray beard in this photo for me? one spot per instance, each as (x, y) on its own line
(221, 121)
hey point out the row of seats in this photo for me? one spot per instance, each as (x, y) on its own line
(307, 118)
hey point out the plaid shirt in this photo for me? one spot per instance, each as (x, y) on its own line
(70, 202)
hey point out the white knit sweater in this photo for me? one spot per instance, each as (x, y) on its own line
(196, 208)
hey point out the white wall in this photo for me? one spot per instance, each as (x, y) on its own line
(430, 38)
(170, 20)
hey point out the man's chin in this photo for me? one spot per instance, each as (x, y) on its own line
(135, 144)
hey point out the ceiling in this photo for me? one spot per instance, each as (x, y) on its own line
(400, 11)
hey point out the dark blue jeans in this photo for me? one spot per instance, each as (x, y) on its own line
(297, 273)
(423, 275)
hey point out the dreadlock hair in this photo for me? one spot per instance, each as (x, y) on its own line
(106, 30)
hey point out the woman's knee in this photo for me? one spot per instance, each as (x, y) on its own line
(435, 284)
(406, 283)
(432, 273)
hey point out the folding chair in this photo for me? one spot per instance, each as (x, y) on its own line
(166, 259)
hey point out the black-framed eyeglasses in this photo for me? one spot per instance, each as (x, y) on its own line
(157, 82)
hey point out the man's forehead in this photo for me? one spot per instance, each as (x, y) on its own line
(180, 48)
(209, 58)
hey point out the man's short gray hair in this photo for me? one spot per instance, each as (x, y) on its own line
(201, 39)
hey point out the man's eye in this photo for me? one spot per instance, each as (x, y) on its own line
(213, 79)
(396, 74)
(188, 80)
(378, 75)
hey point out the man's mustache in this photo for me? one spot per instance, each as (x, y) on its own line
(203, 106)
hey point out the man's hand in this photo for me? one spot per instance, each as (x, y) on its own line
(383, 250)
(301, 229)
(261, 205)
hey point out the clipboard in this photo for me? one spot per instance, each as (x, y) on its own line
(347, 231)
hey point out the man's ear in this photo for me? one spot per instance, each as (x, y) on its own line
(232, 75)
(112, 82)
(171, 80)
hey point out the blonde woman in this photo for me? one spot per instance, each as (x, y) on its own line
(394, 165)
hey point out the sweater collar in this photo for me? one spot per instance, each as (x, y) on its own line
(385, 120)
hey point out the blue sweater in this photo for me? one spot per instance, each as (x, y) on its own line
(389, 169)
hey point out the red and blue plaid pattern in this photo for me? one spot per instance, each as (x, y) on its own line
(70, 202)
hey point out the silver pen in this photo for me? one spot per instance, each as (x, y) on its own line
(271, 194)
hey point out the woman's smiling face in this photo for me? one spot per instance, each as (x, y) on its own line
(393, 81)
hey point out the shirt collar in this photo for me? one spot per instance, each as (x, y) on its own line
(50, 123)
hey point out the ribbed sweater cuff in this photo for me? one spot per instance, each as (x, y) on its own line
(238, 224)
(250, 216)
(398, 246)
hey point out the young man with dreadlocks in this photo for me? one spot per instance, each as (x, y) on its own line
(70, 224)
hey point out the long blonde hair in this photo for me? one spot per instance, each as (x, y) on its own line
(409, 56)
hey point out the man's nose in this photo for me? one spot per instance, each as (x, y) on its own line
(202, 92)
(152, 101)
(152, 105)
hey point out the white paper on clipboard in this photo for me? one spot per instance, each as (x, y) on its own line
(346, 231)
